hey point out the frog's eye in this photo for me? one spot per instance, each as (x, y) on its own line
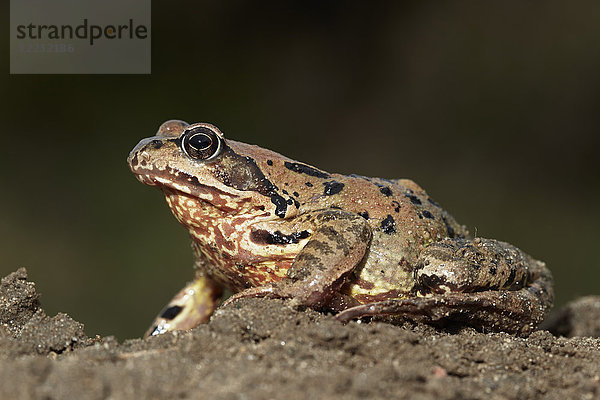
(201, 143)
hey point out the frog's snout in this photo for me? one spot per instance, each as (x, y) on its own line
(138, 153)
(140, 159)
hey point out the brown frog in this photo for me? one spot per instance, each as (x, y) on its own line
(264, 225)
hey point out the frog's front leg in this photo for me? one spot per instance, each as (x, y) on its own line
(338, 243)
(483, 283)
(191, 306)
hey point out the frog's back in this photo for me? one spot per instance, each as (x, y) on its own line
(395, 206)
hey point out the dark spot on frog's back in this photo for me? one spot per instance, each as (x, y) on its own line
(280, 205)
(427, 214)
(269, 162)
(365, 215)
(386, 191)
(305, 169)
(388, 225)
(332, 188)
(414, 199)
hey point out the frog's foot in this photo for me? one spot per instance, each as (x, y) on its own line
(192, 306)
(486, 284)
(517, 312)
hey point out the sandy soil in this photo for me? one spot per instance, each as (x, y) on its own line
(263, 349)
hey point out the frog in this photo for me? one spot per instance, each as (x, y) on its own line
(264, 225)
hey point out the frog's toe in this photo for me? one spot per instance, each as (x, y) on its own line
(159, 327)
(261, 291)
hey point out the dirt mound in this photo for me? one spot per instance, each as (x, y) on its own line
(263, 349)
(578, 318)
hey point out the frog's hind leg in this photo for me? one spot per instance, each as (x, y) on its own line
(486, 284)
(192, 306)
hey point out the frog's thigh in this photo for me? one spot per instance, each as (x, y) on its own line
(338, 243)
(516, 303)
(191, 306)
(464, 265)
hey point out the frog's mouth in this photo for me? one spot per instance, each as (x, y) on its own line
(179, 181)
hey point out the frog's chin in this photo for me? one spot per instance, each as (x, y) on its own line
(147, 180)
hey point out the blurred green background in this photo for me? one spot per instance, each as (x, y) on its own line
(493, 107)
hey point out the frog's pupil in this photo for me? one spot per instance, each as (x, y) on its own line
(200, 141)
(200, 145)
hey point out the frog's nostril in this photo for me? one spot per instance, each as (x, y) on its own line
(156, 144)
